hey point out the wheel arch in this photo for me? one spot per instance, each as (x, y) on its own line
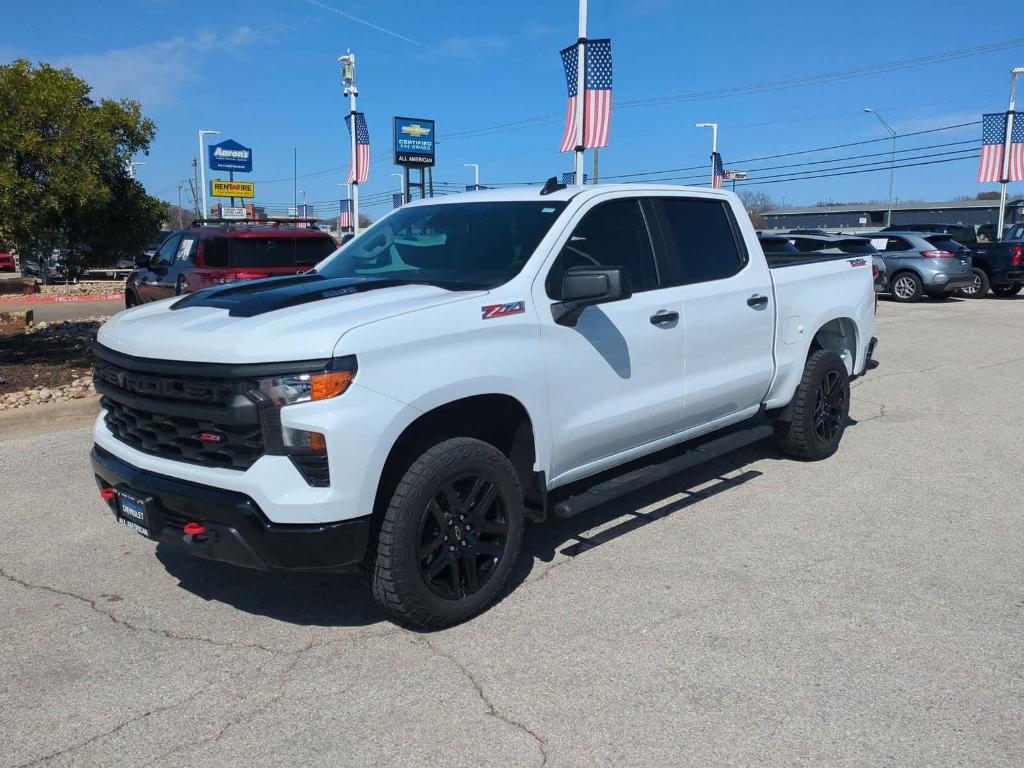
(841, 336)
(496, 418)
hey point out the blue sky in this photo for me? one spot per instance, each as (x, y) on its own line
(264, 73)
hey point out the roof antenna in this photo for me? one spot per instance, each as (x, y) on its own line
(552, 185)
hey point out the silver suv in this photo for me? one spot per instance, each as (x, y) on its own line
(922, 263)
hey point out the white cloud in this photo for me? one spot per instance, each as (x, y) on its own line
(155, 73)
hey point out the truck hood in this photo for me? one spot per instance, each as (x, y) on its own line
(265, 321)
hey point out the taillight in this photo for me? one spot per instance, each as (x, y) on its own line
(937, 254)
(1016, 255)
(875, 271)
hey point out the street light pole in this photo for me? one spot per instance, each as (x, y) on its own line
(476, 173)
(348, 77)
(1004, 178)
(714, 145)
(202, 168)
(892, 162)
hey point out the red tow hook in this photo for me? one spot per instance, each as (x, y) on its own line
(194, 532)
(107, 493)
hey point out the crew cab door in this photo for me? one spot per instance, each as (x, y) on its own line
(615, 377)
(153, 281)
(728, 318)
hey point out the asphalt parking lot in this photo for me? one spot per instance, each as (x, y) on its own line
(747, 610)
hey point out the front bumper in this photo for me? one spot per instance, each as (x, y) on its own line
(237, 531)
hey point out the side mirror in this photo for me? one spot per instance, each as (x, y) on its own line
(585, 286)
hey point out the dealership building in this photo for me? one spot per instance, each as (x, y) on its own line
(868, 216)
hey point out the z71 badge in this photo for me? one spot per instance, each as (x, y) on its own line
(492, 311)
(858, 262)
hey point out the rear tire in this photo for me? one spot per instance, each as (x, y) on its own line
(449, 536)
(979, 289)
(906, 287)
(819, 411)
(1007, 290)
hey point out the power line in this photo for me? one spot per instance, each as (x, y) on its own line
(796, 82)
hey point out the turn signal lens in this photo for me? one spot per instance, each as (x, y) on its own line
(324, 386)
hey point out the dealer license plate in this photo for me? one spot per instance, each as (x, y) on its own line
(131, 512)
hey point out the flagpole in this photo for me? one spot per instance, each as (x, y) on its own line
(1004, 178)
(581, 95)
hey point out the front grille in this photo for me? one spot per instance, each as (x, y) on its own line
(191, 389)
(184, 438)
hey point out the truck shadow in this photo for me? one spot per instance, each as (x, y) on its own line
(613, 504)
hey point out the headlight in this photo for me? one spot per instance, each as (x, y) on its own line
(306, 387)
(306, 449)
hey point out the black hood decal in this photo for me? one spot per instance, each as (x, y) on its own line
(257, 297)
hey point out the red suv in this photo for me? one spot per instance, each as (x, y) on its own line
(211, 253)
(7, 262)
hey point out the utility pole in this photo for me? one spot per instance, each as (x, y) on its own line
(202, 167)
(892, 162)
(593, 178)
(401, 185)
(714, 146)
(348, 77)
(181, 222)
(194, 184)
(1004, 179)
(581, 96)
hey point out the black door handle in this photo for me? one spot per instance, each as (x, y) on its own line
(757, 301)
(663, 317)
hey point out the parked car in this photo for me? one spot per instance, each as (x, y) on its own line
(53, 267)
(797, 242)
(453, 370)
(919, 264)
(999, 266)
(962, 233)
(214, 253)
(7, 263)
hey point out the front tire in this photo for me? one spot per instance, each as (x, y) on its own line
(977, 289)
(1011, 289)
(907, 287)
(819, 411)
(449, 536)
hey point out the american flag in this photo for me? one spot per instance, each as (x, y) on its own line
(597, 104)
(717, 171)
(993, 137)
(362, 149)
(345, 219)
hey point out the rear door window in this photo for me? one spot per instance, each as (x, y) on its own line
(896, 244)
(777, 245)
(702, 240)
(855, 246)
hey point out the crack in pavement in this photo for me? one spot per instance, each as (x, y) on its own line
(492, 710)
(117, 728)
(169, 635)
(166, 633)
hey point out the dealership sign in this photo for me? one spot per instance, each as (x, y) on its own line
(229, 155)
(222, 188)
(414, 141)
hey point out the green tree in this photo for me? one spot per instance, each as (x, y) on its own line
(64, 160)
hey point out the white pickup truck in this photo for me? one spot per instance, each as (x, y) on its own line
(445, 375)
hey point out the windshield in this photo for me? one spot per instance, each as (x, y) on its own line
(236, 252)
(460, 245)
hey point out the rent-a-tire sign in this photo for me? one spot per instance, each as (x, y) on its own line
(229, 155)
(414, 141)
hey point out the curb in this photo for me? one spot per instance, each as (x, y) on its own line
(33, 298)
(51, 417)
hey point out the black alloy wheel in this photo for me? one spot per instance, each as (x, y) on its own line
(462, 539)
(830, 407)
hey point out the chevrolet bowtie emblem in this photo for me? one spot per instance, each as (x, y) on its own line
(415, 130)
